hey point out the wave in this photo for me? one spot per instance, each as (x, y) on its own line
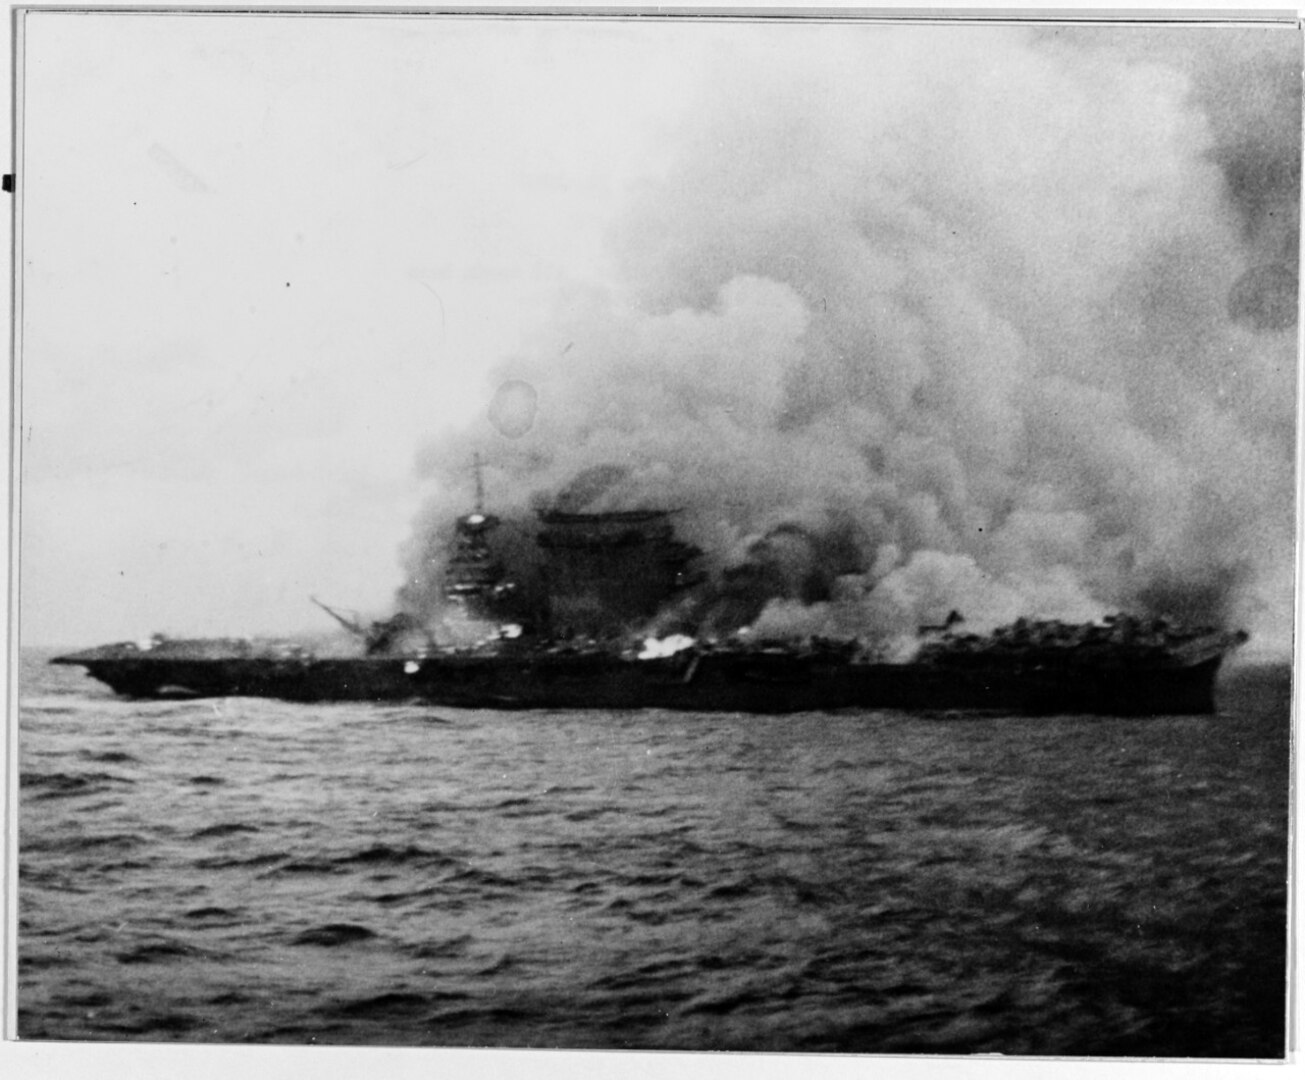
(225, 829)
(219, 863)
(38, 961)
(54, 704)
(61, 785)
(304, 866)
(333, 934)
(443, 950)
(153, 952)
(381, 1005)
(111, 757)
(387, 899)
(209, 913)
(86, 843)
(383, 853)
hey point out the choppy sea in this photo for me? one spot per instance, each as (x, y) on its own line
(242, 870)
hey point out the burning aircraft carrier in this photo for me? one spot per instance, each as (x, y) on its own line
(585, 640)
(881, 346)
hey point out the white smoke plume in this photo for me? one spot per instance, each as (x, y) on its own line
(945, 318)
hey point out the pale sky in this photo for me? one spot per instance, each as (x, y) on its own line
(265, 259)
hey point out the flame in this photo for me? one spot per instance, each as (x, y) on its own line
(656, 648)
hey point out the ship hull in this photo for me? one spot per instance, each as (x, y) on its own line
(741, 682)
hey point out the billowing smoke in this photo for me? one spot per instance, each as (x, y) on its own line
(1252, 96)
(939, 319)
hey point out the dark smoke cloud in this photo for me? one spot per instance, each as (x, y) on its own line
(939, 318)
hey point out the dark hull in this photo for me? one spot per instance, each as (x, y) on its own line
(720, 682)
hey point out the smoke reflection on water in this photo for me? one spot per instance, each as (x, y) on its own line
(244, 870)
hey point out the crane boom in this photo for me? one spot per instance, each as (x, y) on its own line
(348, 624)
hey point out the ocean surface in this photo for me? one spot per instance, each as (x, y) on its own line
(872, 882)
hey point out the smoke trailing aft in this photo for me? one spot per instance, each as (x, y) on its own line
(935, 319)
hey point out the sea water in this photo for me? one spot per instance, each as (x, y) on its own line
(242, 870)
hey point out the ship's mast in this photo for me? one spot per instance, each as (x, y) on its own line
(480, 484)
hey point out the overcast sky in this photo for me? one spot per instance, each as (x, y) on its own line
(268, 261)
